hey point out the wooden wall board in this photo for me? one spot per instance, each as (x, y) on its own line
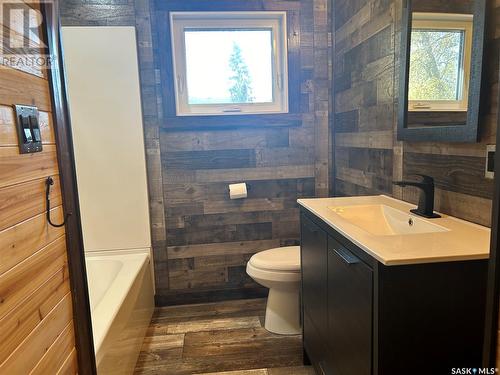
(21, 320)
(18, 283)
(30, 352)
(21, 88)
(22, 201)
(216, 250)
(363, 104)
(423, 119)
(57, 353)
(453, 6)
(115, 13)
(70, 365)
(477, 209)
(26, 238)
(35, 295)
(16, 168)
(462, 174)
(188, 123)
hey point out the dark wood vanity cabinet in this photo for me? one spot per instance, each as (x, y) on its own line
(361, 317)
(314, 294)
(350, 311)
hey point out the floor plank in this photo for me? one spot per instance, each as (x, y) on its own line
(226, 338)
(213, 325)
(229, 309)
(299, 370)
(241, 372)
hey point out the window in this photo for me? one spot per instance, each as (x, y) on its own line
(440, 55)
(230, 62)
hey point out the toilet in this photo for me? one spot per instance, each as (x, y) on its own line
(279, 270)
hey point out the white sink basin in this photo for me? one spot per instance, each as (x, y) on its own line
(380, 226)
(382, 220)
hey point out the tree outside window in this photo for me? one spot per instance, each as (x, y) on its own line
(241, 89)
(436, 64)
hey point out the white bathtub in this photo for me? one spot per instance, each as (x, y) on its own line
(122, 302)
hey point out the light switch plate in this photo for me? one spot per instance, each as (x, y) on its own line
(490, 161)
(28, 129)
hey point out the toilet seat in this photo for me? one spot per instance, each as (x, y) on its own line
(271, 275)
(281, 260)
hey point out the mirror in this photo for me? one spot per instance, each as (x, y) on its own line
(441, 67)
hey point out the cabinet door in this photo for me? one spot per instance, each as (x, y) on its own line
(314, 252)
(350, 306)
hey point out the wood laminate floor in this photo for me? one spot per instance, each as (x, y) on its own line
(218, 338)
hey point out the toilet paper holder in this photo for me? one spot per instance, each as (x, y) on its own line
(248, 188)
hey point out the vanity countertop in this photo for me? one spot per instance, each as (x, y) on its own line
(460, 241)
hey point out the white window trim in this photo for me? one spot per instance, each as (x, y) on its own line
(446, 21)
(276, 21)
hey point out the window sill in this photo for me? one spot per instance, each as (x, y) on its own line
(188, 123)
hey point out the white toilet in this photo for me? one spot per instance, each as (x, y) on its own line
(279, 270)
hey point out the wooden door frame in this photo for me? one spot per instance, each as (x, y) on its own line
(492, 301)
(74, 237)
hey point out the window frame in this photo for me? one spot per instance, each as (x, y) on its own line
(233, 20)
(441, 21)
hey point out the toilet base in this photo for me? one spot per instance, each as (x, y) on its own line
(283, 312)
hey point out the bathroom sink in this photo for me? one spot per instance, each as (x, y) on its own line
(382, 220)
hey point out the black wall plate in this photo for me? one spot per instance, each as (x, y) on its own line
(28, 129)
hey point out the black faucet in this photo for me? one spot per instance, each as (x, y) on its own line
(426, 202)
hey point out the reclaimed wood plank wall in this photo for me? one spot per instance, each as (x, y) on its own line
(364, 103)
(209, 237)
(36, 316)
(367, 155)
(201, 239)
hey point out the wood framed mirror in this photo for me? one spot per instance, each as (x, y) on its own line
(441, 70)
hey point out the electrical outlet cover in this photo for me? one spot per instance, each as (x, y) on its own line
(490, 161)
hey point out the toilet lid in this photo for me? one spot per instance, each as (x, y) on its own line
(279, 259)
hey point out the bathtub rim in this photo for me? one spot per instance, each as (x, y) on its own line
(102, 318)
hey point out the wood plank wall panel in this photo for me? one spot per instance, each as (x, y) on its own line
(70, 365)
(367, 155)
(23, 88)
(201, 239)
(209, 237)
(19, 203)
(363, 96)
(36, 318)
